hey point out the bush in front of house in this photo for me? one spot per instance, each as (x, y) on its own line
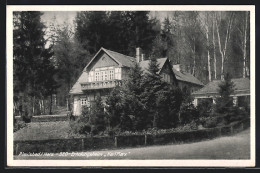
(205, 107)
(80, 125)
(92, 120)
(236, 114)
(188, 113)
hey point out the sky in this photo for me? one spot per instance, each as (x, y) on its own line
(61, 17)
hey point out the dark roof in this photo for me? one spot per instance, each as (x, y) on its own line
(124, 60)
(145, 64)
(241, 85)
(187, 77)
(76, 89)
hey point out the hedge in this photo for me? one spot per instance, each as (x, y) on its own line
(94, 143)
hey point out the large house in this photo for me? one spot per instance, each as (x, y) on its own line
(241, 94)
(109, 69)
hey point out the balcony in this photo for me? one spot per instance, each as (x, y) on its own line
(100, 84)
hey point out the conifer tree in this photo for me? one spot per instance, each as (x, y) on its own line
(152, 84)
(98, 116)
(226, 88)
(133, 89)
(31, 59)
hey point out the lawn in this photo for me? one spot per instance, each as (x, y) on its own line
(44, 130)
(228, 147)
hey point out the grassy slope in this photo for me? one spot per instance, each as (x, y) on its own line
(43, 130)
(229, 147)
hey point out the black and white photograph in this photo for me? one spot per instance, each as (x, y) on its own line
(131, 85)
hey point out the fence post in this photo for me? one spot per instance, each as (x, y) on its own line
(231, 129)
(82, 143)
(115, 141)
(145, 139)
(16, 148)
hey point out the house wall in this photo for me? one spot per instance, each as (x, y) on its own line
(99, 70)
(167, 74)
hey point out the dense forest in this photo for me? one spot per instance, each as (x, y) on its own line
(49, 59)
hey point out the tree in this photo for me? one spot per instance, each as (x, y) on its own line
(31, 58)
(224, 102)
(133, 89)
(115, 106)
(243, 28)
(223, 39)
(69, 58)
(152, 84)
(165, 44)
(206, 20)
(192, 36)
(120, 31)
(98, 115)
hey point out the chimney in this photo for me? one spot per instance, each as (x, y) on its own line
(138, 54)
(178, 67)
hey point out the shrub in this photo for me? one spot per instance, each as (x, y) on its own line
(236, 114)
(210, 122)
(188, 113)
(205, 107)
(85, 111)
(81, 125)
(19, 125)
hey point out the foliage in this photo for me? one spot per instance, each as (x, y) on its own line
(69, 59)
(124, 30)
(236, 114)
(226, 88)
(115, 106)
(188, 112)
(80, 125)
(19, 125)
(99, 117)
(205, 107)
(210, 122)
(33, 69)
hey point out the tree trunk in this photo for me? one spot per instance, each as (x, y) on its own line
(223, 49)
(244, 47)
(194, 59)
(214, 50)
(209, 68)
(51, 106)
(40, 106)
(33, 107)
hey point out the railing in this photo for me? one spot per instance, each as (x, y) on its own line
(100, 84)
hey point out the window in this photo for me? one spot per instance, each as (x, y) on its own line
(97, 76)
(84, 101)
(105, 75)
(111, 74)
(101, 75)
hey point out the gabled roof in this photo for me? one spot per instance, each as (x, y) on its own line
(76, 89)
(121, 59)
(124, 60)
(242, 85)
(145, 64)
(186, 77)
